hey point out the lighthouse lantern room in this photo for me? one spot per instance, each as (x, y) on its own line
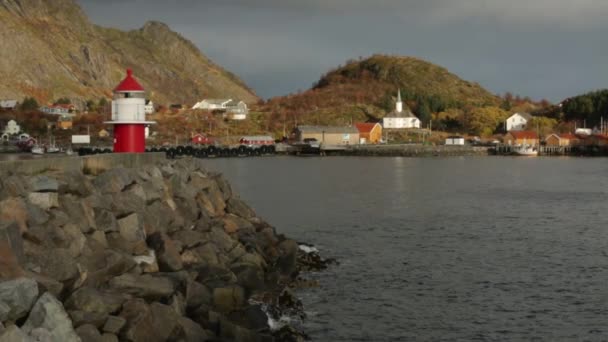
(129, 116)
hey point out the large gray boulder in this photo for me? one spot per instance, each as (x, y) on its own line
(114, 180)
(48, 314)
(92, 300)
(14, 334)
(17, 298)
(43, 184)
(44, 200)
(144, 286)
(167, 252)
(11, 251)
(150, 323)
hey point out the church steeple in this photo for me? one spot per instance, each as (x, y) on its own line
(399, 106)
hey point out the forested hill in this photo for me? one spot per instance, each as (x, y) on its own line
(366, 89)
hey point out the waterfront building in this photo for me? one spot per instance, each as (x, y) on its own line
(327, 135)
(400, 118)
(454, 140)
(369, 133)
(567, 139)
(520, 138)
(232, 109)
(517, 122)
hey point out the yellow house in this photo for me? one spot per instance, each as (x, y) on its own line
(369, 133)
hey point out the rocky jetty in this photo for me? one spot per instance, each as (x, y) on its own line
(165, 252)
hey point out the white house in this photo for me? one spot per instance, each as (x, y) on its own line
(12, 128)
(518, 122)
(235, 110)
(149, 107)
(454, 140)
(8, 104)
(399, 118)
(59, 109)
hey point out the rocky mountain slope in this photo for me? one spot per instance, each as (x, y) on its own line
(50, 49)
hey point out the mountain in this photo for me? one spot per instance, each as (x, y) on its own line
(50, 49)
(367, 89)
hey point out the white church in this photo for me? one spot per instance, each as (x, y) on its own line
(399, 118)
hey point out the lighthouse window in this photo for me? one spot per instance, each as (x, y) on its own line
(127, 95)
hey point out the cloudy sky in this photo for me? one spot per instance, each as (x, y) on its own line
(538, 48)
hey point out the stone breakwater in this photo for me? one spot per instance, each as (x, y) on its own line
(415, 151)
(165, 252)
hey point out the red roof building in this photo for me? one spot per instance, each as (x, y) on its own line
(521, 138)
(369, 133)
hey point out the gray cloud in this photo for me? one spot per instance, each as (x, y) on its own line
(541, 48)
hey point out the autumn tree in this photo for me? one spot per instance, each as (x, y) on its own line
(542, 125)
(483, 121)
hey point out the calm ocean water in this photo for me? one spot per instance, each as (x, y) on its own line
(442, 249)
(454, 249)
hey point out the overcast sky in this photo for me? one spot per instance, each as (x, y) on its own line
(539, 48)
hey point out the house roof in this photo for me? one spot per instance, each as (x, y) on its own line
(129, 84)
(365, 127)
(217, 101)
(257, 137)
(523, 134)
(327, 129)
(526, 116)
(568, 136)
(405, 113)
(8, 103)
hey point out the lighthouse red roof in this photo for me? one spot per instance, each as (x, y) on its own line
(129, 84)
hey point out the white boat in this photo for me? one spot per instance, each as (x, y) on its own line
(526, 150)
(52, 148)
(38, 149)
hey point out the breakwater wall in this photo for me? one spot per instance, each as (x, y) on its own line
(414, 150)
(90, 164)
(138, 248)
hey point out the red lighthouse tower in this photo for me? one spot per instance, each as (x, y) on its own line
(129, 116)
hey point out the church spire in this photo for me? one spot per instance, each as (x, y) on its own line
(399, 106)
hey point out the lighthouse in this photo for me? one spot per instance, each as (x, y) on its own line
(129, 116)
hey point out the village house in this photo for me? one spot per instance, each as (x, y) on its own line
(454, 140)
(399, 118)
(517, 122)
(327, 135)
(564, 139)
(103, 133)
(12, 128)
(521, 138)
(65, 122)
(201, 139)
(149, 108)
(369, 133)
(8, 104)
(59, 109)
(232, 109)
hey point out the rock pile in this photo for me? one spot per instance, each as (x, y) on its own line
(162, 253)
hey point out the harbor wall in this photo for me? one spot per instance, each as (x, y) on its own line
(90, 164)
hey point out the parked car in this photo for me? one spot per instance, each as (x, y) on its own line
(312, 142)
